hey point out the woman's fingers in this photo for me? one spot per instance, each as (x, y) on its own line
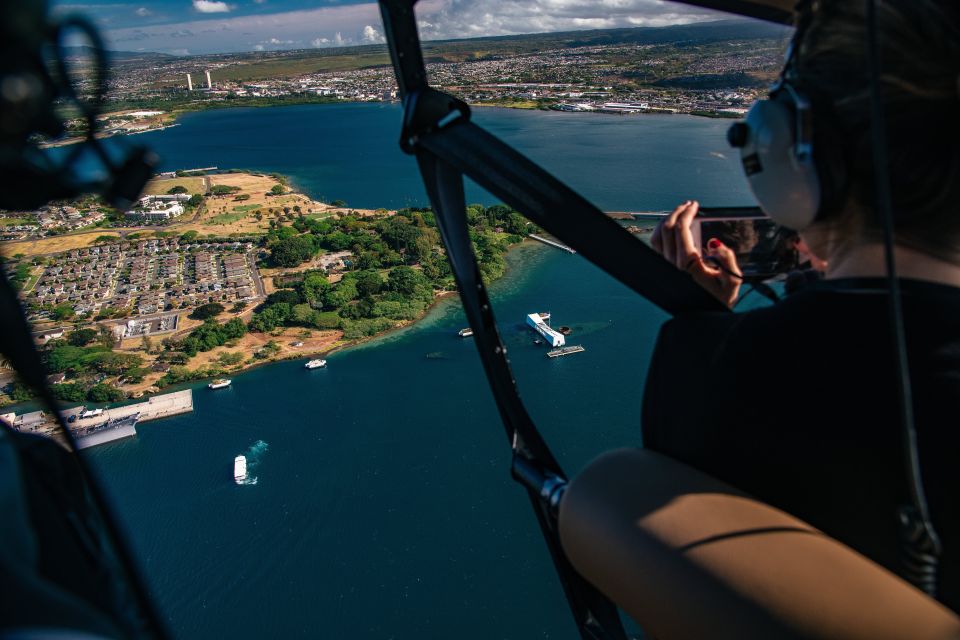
(667, 228)
(683, 236)
(729, 277)
(673, 238)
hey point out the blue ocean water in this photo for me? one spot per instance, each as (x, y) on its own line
(350, 152)
(383, 506)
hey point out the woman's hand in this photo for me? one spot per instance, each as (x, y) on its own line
(673, 239)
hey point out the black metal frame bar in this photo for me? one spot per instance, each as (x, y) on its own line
(437, 130)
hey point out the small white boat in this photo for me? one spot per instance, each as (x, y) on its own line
(220, 383)
(240, 469)
(316, 364)
(465, 333)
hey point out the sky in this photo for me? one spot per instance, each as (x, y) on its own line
(186, 27)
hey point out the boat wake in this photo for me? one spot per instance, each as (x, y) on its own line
(254, 456)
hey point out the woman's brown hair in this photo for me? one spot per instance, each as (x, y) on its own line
(920, 87)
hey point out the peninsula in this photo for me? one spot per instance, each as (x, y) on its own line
(217, 271)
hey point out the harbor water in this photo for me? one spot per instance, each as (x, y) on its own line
(383, 506)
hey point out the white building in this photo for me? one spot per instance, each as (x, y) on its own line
(156, 211)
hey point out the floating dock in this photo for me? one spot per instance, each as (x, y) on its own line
(565, 351)
(111, 424)
(552, 243)
(538, 321)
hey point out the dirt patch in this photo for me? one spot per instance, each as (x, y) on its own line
(55, 244)
(314, 342)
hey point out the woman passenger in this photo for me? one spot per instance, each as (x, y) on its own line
(797, 403)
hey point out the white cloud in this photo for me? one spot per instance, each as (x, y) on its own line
(371, 35)
(211, 6)
(143, 12)
(475, 18)
(278, 42)
(437, 19)
(258, 47)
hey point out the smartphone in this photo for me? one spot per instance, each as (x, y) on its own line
(764, 248)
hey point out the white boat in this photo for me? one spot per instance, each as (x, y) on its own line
(316, 364)
(220, 383)
(240, 469)
(465, 333)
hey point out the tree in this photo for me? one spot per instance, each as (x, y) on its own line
(223, 189)
(69, 392)
(229, 359)
(291, 252)
(147, 343)
(302, 314)
(313, 288)
(62, 311)
(368, 283)
(404, 280)
(105, 393)
(177, 189)
(277, 190)
(195, 200)
(136, 374)
(106, 338)
(238, 307)
(82, 337)
(206, 311)
(287, 296)
(188, 236)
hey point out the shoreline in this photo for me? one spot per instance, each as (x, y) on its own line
(177, 111)
(350, 344)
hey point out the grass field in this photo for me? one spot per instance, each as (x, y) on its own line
(13, 222)
(247, 207)
(160, 186)
(296, 65)
(227, 218)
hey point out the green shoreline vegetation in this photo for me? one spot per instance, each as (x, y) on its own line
(393, 269)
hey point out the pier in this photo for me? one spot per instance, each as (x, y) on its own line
(552, 243)
(161, 406)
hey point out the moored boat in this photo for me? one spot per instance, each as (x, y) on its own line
(240, 469)
(220, 383)
(316, 364)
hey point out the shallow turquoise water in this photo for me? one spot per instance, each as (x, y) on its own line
(383, 506)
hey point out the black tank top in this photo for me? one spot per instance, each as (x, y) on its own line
(797, 405)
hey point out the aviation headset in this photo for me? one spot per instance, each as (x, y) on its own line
(795, 170)
(36, 84)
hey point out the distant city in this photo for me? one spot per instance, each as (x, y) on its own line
(711, 69)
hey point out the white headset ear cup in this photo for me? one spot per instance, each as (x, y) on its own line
(786, 187)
